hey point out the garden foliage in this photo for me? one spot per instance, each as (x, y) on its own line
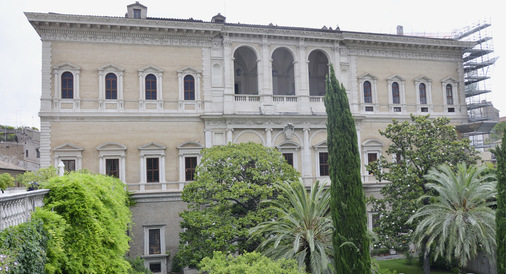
(351, 239)
(224, 200)
(247, 263)
(94, 210)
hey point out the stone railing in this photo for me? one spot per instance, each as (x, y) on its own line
(16, 208)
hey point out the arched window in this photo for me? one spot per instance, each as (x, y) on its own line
(449, 94)
(111, 86)
(67, 85)
(367, 92)
(189, 87)
(318, 68)
(150, 87)
(245, 71)
(283, 77)
(423, 93)
(396, 97)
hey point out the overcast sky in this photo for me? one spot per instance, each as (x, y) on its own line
(20, 47)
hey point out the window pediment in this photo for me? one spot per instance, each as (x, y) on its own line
(67, 66)
(67, 147)
(372, 144)
(321, 145)
(150, 69)
(395, 77)
(289, 145)
(152, 146)
(190, 145)
(111, 147)
(367, 76)
(189, 70)
(110, 67)
(423, 79)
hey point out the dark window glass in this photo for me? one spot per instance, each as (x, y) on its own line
(189, 87)
(396, 97)
(137, 13)
(449, 94)
(152, 170)
(367, 92)
(111, 86)
(70, 165)
(150, 87)
(67, 85)
(368, 108)
(397, 109)
(371, 157)
(190, 163)
(154, 241)
(425, 109)
(423, 94)
(155, 267)
(324, 164)
(112, 167)
(288, 158)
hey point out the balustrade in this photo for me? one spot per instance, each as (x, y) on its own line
(16, 208)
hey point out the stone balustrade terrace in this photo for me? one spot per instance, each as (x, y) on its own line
(16, 207)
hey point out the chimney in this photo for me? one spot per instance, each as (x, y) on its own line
(400, 30)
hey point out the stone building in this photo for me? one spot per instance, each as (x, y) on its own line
(138, 98)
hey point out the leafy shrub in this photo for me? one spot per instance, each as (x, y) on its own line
(94, 208)
(138, 266)
(6, 181)
(27, 244)
(54, 225)
(252, 262)
(380, 251)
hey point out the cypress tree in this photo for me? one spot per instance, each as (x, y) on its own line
(350, 239)
(500, 217)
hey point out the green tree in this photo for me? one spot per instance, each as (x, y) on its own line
(94, 212)
(34, 179)
(351, 240)
(6, 181)
(459, 221)
(500, 153)
(497, 132)
(249, 262)
(224, 200)
(303, 230)
(416, 146)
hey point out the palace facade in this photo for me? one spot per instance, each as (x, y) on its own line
(138, 98)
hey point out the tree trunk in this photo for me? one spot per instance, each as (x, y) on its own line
(426, 263)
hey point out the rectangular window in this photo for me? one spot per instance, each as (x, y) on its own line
(288, 158)
(155, 267)
(112, 167)
(451, 109)
(371, 157)
(70, 165)
(369, 108)
(154, 241)
(137, 13)
(152, 170)
(425, 109)
(397, 109)
(190, 163)
(324, 164)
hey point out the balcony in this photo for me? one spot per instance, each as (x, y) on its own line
(16, 206)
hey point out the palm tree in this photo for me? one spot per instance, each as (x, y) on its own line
(460, 220)
(304, 229)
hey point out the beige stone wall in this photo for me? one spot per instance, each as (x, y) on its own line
(91, 56)
(132, 134)
(407, 69)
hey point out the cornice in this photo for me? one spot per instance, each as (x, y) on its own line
(52, 26)
(58, 27)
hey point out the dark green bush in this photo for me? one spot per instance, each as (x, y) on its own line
(138, 266)
(26, 244)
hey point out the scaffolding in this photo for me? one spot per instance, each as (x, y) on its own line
(478, 63)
